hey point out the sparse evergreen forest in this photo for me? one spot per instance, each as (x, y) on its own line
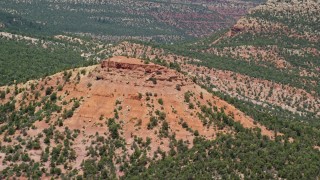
(265, 67)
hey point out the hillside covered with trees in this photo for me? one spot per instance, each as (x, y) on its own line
(199, 89)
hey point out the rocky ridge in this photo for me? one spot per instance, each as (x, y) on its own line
(258, 91)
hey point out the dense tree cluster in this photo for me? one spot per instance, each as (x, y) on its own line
(21, 61)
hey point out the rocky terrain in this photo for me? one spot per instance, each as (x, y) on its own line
(269, 57)
(256, 90)
(124, 105)
(282, 36)
(242, 103)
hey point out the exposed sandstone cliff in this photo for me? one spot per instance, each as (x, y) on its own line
(122, 62)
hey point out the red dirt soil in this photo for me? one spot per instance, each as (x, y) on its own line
(109, 86)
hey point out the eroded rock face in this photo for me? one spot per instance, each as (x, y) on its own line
(149, 74)
(235, 30)
(122, 62)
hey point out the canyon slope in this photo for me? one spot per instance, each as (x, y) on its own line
(279, 42)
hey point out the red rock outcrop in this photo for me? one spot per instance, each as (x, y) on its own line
(126, 94)
(121, 62)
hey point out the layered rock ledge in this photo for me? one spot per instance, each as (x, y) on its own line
(121, 62)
